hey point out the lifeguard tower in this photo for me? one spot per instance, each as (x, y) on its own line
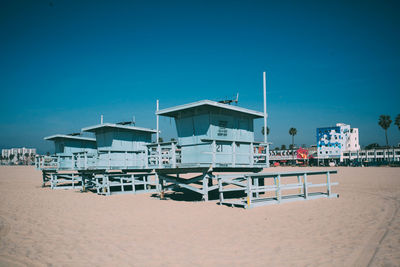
(217, 135)
(120, 146)
(121, 165)
(212, 137)
(72, 152)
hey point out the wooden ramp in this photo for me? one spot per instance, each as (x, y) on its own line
(125, 183)
(270, 188)
(60, 180)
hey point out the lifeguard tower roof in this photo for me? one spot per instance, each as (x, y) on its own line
(174, 111)
(117, 126)
(72, 137)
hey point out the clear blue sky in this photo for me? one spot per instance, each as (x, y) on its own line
(63, 63)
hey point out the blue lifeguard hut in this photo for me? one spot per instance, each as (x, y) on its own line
(72, 153)
(218, 135)
(121, 165)
(70, 149)
(212, 137)
(120, 146)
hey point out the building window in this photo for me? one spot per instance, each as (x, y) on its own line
(222, 131)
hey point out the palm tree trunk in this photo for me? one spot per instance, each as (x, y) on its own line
(387, 143)
(293, 147)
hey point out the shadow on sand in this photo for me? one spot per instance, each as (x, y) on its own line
(190, 196)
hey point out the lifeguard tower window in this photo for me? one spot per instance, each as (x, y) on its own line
(222, 131)
(60, 148)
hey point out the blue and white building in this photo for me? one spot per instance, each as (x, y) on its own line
(332, 142)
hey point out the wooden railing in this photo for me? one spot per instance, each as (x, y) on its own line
(166, 154)
(254, 188)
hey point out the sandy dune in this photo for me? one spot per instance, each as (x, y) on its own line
(40, 226)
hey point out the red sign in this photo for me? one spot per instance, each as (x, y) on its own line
(302, 153)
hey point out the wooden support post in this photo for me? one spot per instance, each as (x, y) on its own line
(279, 189)
(51, 181)
(221, 194)
(300, 183)
(205, 187)
(108, 185)
(256, 194)
(133, 184)
(305, 186)
(328, 183)
(97, 185)
(121, 180)
(249, 192)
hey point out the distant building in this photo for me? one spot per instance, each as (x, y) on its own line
(332, 142)
(17, 153)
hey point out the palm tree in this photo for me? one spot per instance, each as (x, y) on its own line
(384, 122)
(292, 132)
(26, 158)
(397, 121)
(262, 130)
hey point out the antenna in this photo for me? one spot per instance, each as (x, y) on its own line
(265, 105)
(158, 131)
(229, 101)
(101, 119)
(124, 123)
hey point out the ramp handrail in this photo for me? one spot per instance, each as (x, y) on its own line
(252, 185)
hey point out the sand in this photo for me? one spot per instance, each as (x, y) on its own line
(40, 226)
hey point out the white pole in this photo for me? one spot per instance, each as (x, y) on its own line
(265, 106)
(101, 119)
(158, 131)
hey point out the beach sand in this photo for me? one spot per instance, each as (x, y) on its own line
(40, 226)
